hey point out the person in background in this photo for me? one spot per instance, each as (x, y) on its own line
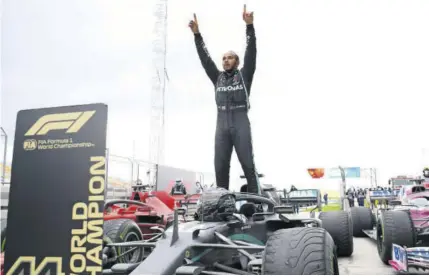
(351, 197)
(325, 198)
(296, 208)
(178, 188)
(199, 187)
(361, 198)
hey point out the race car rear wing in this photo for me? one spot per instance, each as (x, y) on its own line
(381, 195)
(307, 197)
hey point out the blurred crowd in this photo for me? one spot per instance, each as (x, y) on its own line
(358, 195)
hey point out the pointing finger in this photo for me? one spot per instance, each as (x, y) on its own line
(195, 17)
(244, 9)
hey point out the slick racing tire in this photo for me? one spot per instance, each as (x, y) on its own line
(339, 225)
(394, 227)
(3, 234)
(123, 230)
(363, 219)
(300, 251)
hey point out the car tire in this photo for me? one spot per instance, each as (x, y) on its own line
(340, 226)
(363, 219)
(394, 227)
(300, 251)
(124, 230)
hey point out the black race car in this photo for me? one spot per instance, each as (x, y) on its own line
(258, 237)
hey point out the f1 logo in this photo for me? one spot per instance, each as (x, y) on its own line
(71, 122)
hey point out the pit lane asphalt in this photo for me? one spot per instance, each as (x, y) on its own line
(364, 260)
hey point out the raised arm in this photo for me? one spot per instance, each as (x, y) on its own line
(249, 64)
(207, 62)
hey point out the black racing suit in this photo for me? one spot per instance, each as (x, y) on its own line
(178, 189)
(232, 91)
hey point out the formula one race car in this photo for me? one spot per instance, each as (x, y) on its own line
(405, 223)
(259, 238)
(145, 207)
(142, 218)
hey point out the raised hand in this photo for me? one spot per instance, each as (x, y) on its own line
(193, 24)
(247, 16)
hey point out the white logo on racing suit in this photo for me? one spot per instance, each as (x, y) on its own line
(229, 88)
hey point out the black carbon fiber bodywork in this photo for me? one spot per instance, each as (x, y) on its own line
(199, 242)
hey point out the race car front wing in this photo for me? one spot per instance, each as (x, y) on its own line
(404, 258)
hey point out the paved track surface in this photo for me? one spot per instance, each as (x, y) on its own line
(364, 261)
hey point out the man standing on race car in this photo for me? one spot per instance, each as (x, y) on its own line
(232, 89)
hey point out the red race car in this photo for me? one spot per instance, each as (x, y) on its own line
(148, 208)
(144, 216)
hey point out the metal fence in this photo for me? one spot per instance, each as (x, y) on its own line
(145, 171)
(120, 170)
(122, 173)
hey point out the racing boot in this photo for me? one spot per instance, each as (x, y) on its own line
(252, 178)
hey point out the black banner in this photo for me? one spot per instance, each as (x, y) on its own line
(55, 213)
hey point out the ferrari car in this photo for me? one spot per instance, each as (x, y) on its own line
(143, 217)
(259, 237)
